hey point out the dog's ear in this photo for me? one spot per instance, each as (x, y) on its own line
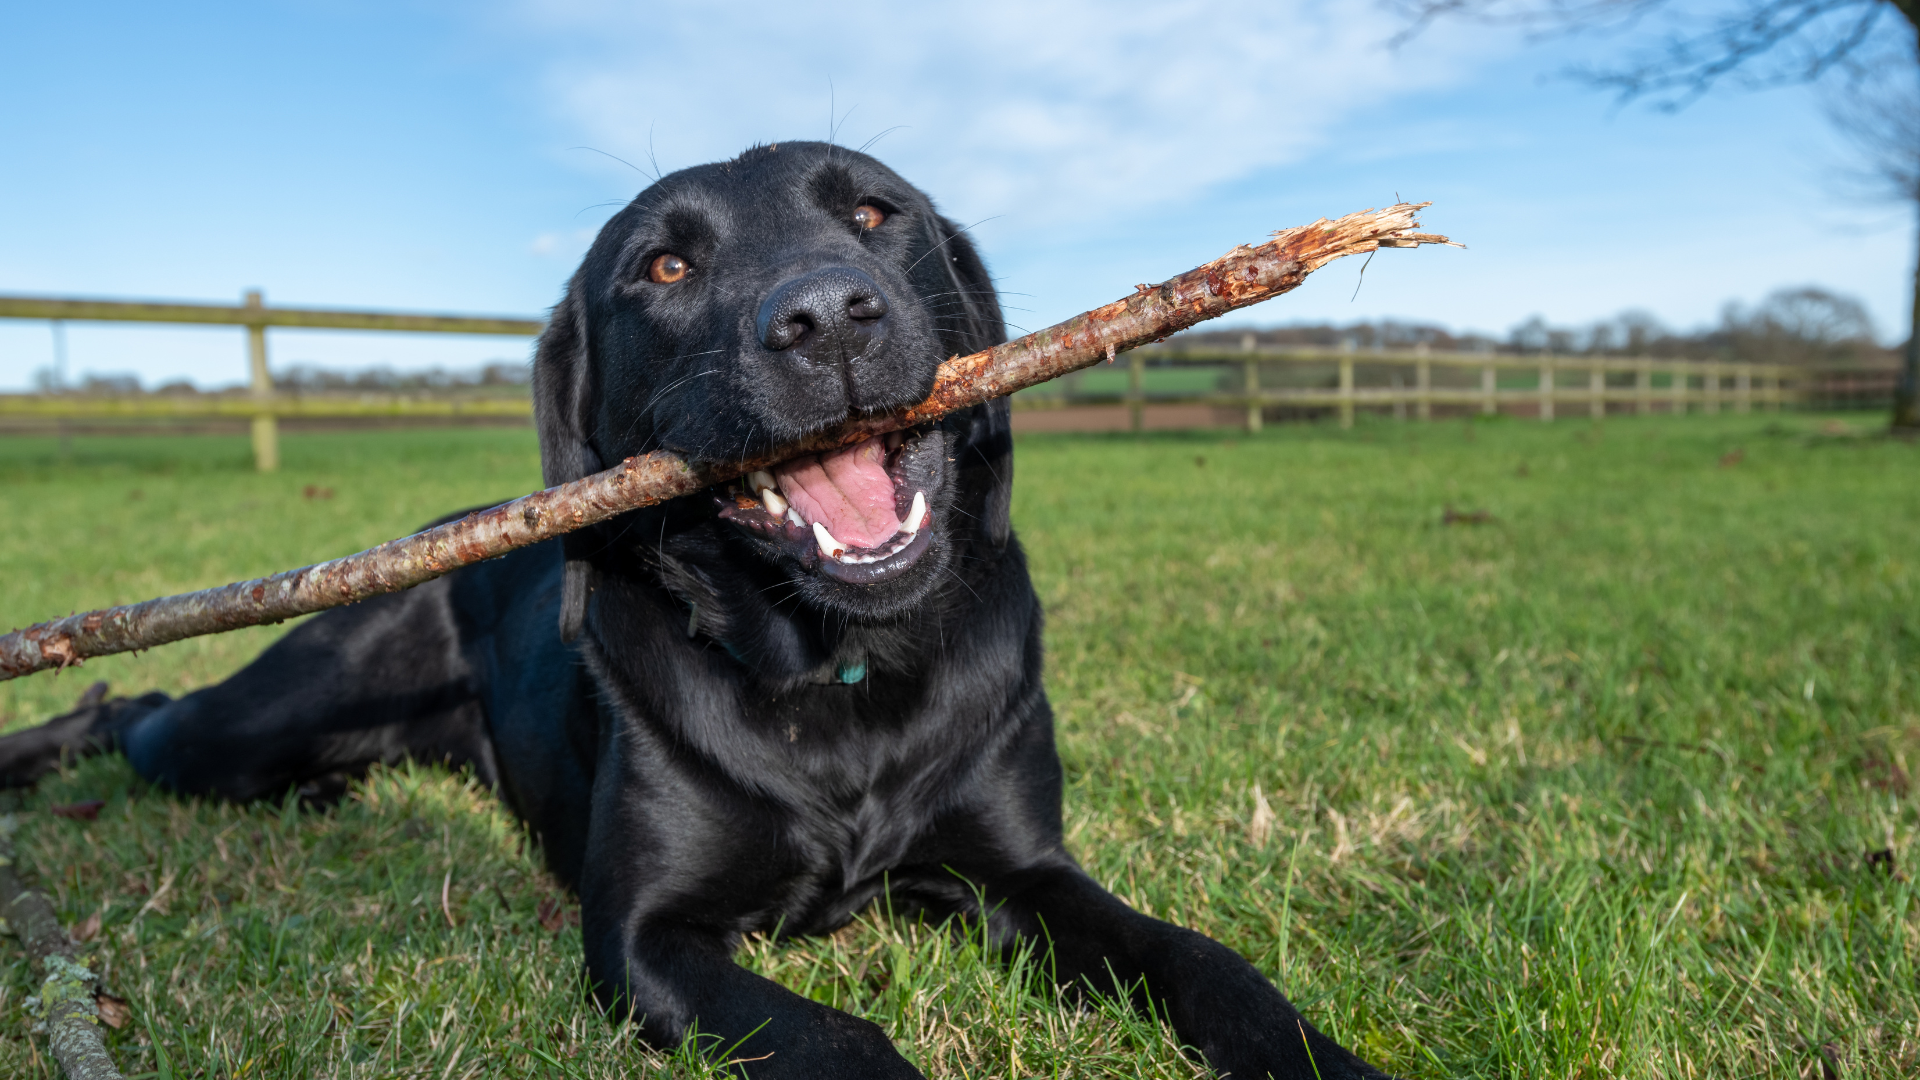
(989, 447)
(563, 391)
(563, 385)
(982, 325)
(989, 431)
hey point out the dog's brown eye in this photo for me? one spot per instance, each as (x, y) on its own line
(667, 269)
(868, 217)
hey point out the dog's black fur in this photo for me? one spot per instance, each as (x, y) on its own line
(711, 729)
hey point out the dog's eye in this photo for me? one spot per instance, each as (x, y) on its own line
(868, 217)
(667, 269)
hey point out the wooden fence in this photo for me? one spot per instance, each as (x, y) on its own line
(1421, 384)
(1255, 384)
(263, 405)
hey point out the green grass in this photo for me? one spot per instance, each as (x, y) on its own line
(1154, 380)
(127, 518)
(1586, 790)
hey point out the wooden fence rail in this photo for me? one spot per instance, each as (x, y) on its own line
(1250, 380)
(1594, 385)
(265, 406)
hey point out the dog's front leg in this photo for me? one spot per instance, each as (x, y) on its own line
(676, 981)
(1217, 1002)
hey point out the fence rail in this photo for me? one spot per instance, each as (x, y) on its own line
(264, 406)
(319, 406)
(249, 313)
(1256, 380)
(1251, 381)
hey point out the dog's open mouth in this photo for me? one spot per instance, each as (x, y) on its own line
(859, 514)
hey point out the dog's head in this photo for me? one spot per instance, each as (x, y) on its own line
(736, 307)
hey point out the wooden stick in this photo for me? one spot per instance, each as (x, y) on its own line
(66, 993)
(1243, 276)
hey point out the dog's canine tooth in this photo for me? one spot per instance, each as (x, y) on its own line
(775, 505)
(829, 547)
(917, 514)
(794, 519)
(761, 480)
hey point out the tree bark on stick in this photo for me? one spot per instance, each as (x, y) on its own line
(66, 994)
(1243, 276)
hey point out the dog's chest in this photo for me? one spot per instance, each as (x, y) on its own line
(851, 802)
(841, 863)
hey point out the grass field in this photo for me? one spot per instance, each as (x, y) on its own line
(1615, 783)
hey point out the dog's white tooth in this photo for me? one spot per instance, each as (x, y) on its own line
(775, 505)
(917, 513)
(794, 519)
(829, 547)
(761, 480)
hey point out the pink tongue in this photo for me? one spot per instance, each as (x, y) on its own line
(847, 490)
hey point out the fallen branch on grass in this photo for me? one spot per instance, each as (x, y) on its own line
(65, 1000)
(1243, 276)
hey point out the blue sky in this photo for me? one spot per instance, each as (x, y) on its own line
(428, 156)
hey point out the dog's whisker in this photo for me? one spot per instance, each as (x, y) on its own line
(950, 240)
(949, 571)
(670, 387)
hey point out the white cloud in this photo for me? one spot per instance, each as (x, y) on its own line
(1045, 114)
(569, 244)
(1121, 141)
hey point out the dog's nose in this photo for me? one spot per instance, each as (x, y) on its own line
(827, 315)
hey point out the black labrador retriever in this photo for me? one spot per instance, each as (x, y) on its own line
(762, 707)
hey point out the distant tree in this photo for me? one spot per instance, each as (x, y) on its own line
(114, 384)
(505, 373)
(1801, 326)
(1638, 330)
(1531, 336)
(311, 379)
(1870, 48)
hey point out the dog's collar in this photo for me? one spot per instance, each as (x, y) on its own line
(843, 672)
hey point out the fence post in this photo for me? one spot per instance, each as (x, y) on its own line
(1489, 391)
(1346, 391)
(266, 430)
(1643, 387)
(1679, 388)
(1743, 388)
(1710, 383)
(1136, 371)
(1423, 382)
(1597, 388)
(1546, 390)
(1252, 382)
(59, 328)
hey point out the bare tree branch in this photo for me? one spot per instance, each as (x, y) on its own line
(1245, 275)
(1881, 118)
(1758, 42)
(65, 998)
